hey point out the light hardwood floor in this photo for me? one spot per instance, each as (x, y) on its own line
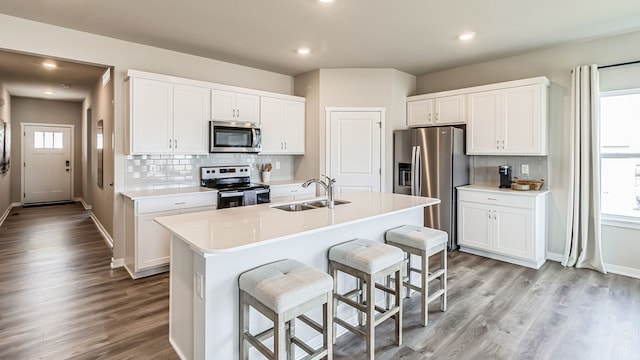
(60, 300)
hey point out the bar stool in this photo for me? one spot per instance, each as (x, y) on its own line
(283, 291)
(423, 242)
(367, 261)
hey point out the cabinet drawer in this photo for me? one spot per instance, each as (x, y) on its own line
(177, 202)
(494, 198)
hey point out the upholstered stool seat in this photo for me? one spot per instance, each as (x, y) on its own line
(283, 291)
(367, 261)
(424, 242)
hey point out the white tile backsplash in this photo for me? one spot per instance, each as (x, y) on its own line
(146, 172)
(485, 168)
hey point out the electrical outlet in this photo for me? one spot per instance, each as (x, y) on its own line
(524, 169)
(277, 165)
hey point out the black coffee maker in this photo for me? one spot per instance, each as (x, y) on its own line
(505, 176)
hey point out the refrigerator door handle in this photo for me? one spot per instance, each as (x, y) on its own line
(413, 170)
(418, 172)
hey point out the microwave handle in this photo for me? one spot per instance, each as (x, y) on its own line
(254, 134)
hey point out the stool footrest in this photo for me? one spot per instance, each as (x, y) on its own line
(386, 289)
(435, 275)
(312, 324)
(350, 327)
(259, 345)
(350, 302)
(435, 295)
(385, 314)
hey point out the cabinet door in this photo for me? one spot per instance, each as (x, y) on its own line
(247, 108)
(222, 105)
(190, 119)
(151, 116)
(514, 232)
(271, 113)
(419, 113)
(451, 110)
(522, 121)
(293, 125)
(475, 225)
(152, 241)
(483, 127)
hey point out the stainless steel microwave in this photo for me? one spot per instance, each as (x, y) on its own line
(234, 137)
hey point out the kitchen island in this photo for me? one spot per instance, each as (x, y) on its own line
(210, 249)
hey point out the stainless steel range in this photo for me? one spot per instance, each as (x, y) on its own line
(234, 186)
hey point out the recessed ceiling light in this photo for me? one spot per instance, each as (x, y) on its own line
(325, 1)
(49, 65)
(303, 51)
(467, 35)
(49, 92)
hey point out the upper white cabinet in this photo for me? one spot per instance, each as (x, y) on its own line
(439, 110)
(166, 118)
(234, 106)
(282, 123)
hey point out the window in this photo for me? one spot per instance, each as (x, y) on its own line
(47, 140)
(620, 153)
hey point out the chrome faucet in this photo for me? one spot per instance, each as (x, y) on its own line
(328, 187)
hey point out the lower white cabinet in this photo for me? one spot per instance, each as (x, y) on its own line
(147, 248)
(503, 224)
(291, 192)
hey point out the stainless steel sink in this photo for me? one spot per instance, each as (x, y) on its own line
(307, 205)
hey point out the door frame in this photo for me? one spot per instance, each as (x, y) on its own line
(381, 110)
(72, 155)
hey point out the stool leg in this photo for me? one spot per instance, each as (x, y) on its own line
(371, 322)
(362, 288)
(408, 289)
(424, 311)
(443, 279)
(289, 334)
(398, 316)
(327, 325)
(244, 327)
(334, 307)
(279, 343)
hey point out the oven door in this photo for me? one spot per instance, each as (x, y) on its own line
(234, 137)
(229, 199)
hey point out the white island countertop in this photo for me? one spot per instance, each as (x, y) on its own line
(228, 230)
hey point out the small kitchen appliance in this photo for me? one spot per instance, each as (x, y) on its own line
(234, 186)
(505, 176)
(234, 137)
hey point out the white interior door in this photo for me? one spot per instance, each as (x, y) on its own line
(354, 150)
(47, 164)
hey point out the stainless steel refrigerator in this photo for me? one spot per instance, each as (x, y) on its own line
(431, 162)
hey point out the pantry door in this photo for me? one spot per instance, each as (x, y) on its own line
(47, 163)
(354, 147)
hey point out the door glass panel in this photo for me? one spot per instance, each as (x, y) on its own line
(48, 140)
(38, 139)
(57, 140)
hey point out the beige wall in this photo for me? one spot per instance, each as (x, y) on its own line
(38, 111)
(386, 88)
(26, 36)
(555, 63)
(5, 179)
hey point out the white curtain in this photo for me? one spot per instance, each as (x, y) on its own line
(583, 246)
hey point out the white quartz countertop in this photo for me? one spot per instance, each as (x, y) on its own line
(141, 194)
(227, 230)
(496, 189)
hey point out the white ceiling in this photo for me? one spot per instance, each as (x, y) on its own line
(415, 36)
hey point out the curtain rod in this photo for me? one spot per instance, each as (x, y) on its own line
(621, 64)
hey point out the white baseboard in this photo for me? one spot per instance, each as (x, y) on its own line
(16, 204)
(117, 263)
(84, 204)
(103, 231)
(624, 271)
(6, 213)
(555, 257)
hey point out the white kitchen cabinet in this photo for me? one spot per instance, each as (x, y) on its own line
(282, 124)
(509, 121)
(234, 106)
(436, 111)
(147, 243)
(503, 224)
(167, 118)
(291, 192)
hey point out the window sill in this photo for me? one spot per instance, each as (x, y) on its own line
(629, 222)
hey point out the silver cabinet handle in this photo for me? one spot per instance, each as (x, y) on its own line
(238, 112)
(180, 203)
(498, 144)
(175, 143)
(492, 199)
(285, 145)
(169, 143)
(502, 144)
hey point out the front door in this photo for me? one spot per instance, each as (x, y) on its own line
(47, 160)
(354, 150)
